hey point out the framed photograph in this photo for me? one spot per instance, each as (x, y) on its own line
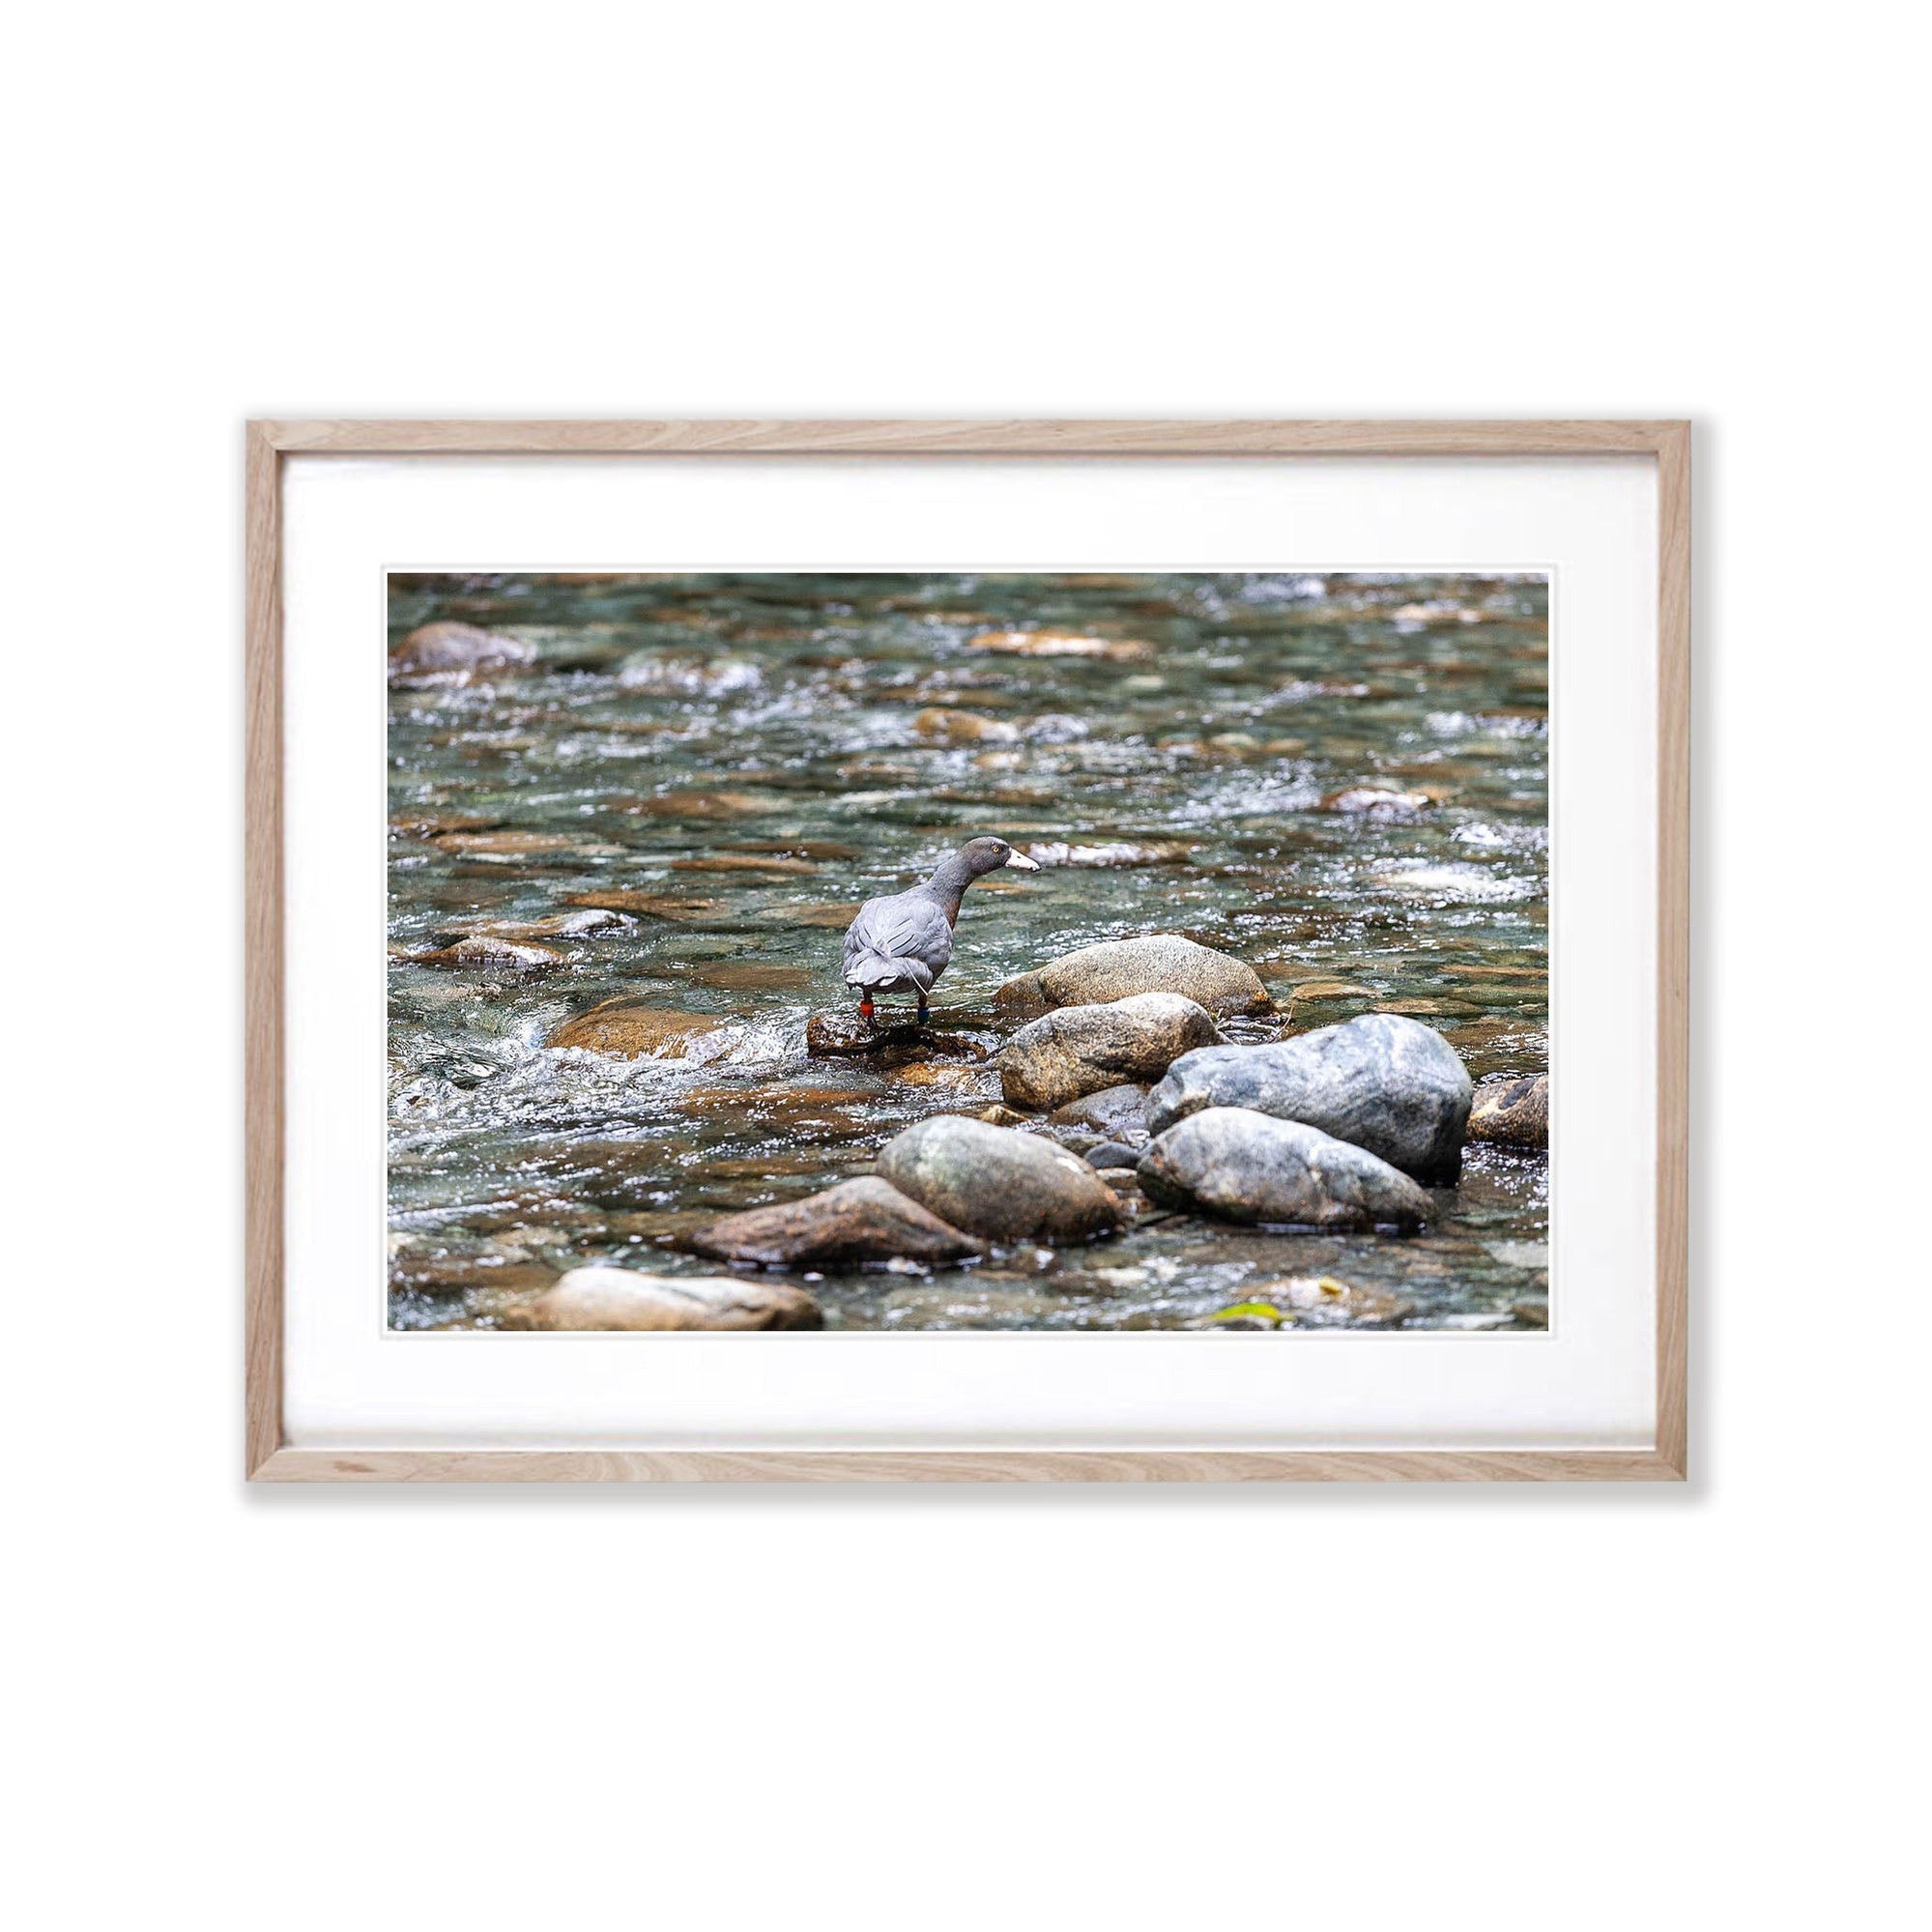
(958, 951)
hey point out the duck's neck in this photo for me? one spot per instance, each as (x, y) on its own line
(949, 882)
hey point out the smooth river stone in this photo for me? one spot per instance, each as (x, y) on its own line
(1116, 1113)
(999, 1183)
(1117, 968)
(1512, 1112)
(623, 1298)
(952, 727)
(1082, 1050)
(480, 950)
(861, 1221)
(1386, 1083)
(1239, 1165)
(453, 654)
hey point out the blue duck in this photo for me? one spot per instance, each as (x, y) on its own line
(901, 944)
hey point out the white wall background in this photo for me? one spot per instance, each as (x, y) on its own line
(905, 1709)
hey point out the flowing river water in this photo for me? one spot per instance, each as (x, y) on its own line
(740, 759)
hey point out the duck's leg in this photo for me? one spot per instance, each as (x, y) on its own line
(865, 1008)
(924, 1017)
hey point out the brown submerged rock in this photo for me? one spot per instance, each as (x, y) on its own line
(1512, 1112)
(997, 1183)
(1117, 968)
(453, 654)
(648, 904)
(623, 1298)
(630, 1030)
(751, 976)
(692, 804)
(1081, 1050)
(950, 726)
(508, 843)
(856, 1222)
(773, 868)
(1059, 644)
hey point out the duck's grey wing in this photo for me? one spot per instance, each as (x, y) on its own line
(907, 926)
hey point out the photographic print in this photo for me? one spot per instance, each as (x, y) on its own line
(968, 951)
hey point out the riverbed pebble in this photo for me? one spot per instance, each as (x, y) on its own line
(1384, 1083)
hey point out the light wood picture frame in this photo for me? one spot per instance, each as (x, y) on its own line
(270, 1458)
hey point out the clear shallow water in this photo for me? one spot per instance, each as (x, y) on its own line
(748, 753)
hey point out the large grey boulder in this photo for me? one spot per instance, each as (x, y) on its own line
(1117, 968)
(1244, 1166)
(999, 1183)
(1081, 1050)
(853, 1222)
(623, 1298)
(1390, 1084)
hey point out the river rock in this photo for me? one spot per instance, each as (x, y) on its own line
(605, 1298)
(483, 950)
(846, 1034)
(1244, 1166)
(859, 1221)
(951, 727)
(998, 1183)
(1119, 969)
(1512, 1112)
(1376, 801)
(1081, 1050)
(453, 654)
(1059, 644)
(1114, 1154)
(630, 1030)
(1390, 1084)
(1114, 1112)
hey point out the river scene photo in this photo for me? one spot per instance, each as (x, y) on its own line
(1242, 1025)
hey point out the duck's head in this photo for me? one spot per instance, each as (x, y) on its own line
(984, 855)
